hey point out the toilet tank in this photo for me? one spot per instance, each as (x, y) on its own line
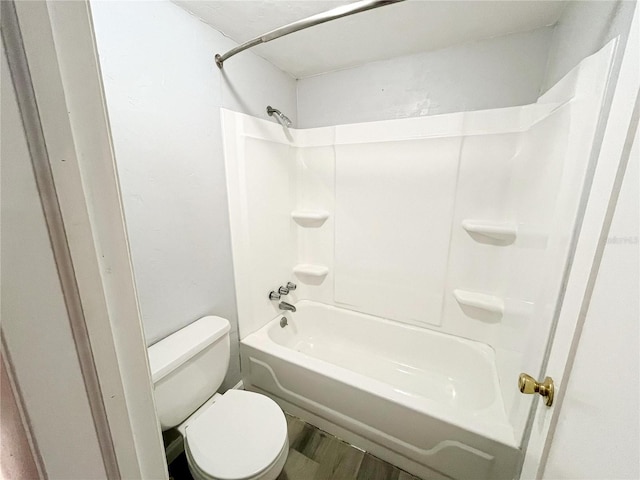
(188, 367)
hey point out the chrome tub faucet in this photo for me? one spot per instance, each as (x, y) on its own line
(286, 306)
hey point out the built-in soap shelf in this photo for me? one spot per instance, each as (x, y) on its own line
(503, 232)
(311, 270)
(311, 274)
(310, 218)
(482, 301)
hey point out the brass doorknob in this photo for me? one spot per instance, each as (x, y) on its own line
(527, 384)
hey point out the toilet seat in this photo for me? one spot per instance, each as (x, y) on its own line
(242, 436)
(270, 473)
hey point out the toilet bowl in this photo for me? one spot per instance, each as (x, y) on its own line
(235, 436)
(242, 436)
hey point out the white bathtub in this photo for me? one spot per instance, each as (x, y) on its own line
(427, 402)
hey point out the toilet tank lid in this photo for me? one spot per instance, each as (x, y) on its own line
(174, 350)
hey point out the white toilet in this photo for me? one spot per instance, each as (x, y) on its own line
(236, 436)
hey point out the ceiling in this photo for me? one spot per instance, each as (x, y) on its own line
(399, 29)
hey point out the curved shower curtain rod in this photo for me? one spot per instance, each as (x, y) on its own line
(311, 21)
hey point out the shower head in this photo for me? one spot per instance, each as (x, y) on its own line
(284, 120)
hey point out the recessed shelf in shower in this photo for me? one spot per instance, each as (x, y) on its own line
(310, 218)
(311, 274)
(505, 232)
(482, 301)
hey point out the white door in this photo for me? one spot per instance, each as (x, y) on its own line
(70, 313)
(613, 157)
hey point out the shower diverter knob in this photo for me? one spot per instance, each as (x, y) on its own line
(273, 295)
(283, 290)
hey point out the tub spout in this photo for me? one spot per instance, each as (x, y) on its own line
(287, 306)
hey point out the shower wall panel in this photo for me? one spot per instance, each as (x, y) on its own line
(269, 174)
(394, 202)
(261, 178)
(316, 172)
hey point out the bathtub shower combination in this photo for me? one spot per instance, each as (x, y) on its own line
(429, 255)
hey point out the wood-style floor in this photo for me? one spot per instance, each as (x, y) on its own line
(317, 455)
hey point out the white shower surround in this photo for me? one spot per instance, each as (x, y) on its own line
(504, 188)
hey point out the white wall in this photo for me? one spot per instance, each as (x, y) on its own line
(164, 94)
(583, 28)
(604, 423)
(498, 72)
(35, 325)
